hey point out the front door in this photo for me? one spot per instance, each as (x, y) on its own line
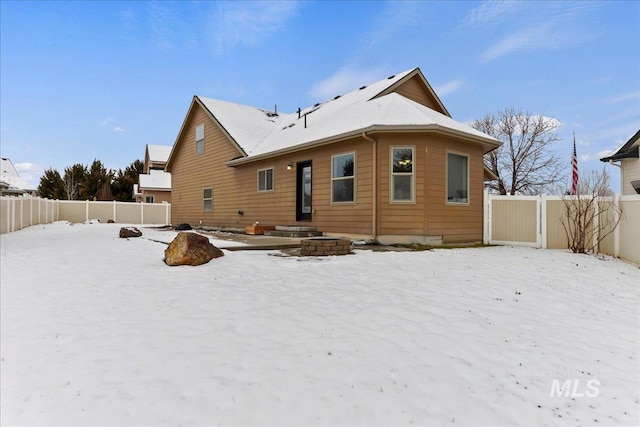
(303, 191)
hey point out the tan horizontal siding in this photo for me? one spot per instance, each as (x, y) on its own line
(235, 189)
(415, 90)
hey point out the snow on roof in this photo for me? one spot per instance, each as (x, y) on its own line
(11, 176)
(628, 149)
(158, 153)
(8, 169)
(156, 179)
(259, 132)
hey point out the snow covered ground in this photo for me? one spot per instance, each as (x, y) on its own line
(97, 330)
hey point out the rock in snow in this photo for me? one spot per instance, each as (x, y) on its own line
(126, 232)
(190, 249)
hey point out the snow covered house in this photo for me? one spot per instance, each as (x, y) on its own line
(154, 185)
(11, 184)
(629, 157)
(385, 161)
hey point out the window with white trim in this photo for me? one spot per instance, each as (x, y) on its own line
(457, 178)
(207, 199)
(265, 179)
(343, 179)
(149, 199)
(200, 139)
(402, 174)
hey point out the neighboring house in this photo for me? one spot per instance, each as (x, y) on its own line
(629, 165)
(385, 161)
(154, 185)
(10, 182)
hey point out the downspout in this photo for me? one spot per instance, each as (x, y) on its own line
(619, 166)
(375, 186)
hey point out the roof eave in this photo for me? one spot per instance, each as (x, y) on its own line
(488, 143)
(194, 101)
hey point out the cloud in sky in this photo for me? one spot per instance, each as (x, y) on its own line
(399, 17)
(489, 12)
(543, 36)
(625, 97)
(163, 20)
(559, 26)
(118, 129)
(29, 172)
(448, 87)
(344, 80)
(106, 121)
(248, 23)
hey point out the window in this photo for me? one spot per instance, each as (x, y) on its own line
(265, 179)
(207, 199)
(402, 174)
(343, 178)
(148, 199)
(200, 139)
(457, 178)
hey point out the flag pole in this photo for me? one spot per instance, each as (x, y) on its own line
(574, 168)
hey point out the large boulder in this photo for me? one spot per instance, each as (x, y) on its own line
(126, 232)
(190, 249)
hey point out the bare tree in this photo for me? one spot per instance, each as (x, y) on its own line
(526, 163)
(72, 180)
(591, 215)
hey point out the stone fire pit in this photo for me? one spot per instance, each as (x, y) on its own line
(323, 246)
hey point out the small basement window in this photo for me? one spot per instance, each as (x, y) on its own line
(207, 199)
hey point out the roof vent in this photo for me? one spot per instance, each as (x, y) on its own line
(363, 87)
(390, 77)
(336, 97)
(315, 105)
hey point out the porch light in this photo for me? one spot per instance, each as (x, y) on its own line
(289, 166)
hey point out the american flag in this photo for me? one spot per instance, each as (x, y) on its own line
(574, 169)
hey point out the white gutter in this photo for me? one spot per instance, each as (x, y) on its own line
(374, 128)
(619, 166)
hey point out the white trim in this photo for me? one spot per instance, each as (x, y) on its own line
(392, 174)
(205, 199)
(201, 150)
(344, 178)
(446, 181)
(273, 176)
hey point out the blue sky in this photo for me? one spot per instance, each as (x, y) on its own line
(87, 80)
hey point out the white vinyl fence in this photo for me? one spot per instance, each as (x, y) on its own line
(536, 221)
(17, 213)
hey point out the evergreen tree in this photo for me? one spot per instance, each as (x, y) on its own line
(51, 185)
(95, 179)
(122, 185)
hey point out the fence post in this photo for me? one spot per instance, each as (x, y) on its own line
(13, 215)
(616, 220)
(142, 213)
(487, 220)
(86, 211)
(21, 213)
(543, 221)
(596, 225)
(115, 212)
(166, 214)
